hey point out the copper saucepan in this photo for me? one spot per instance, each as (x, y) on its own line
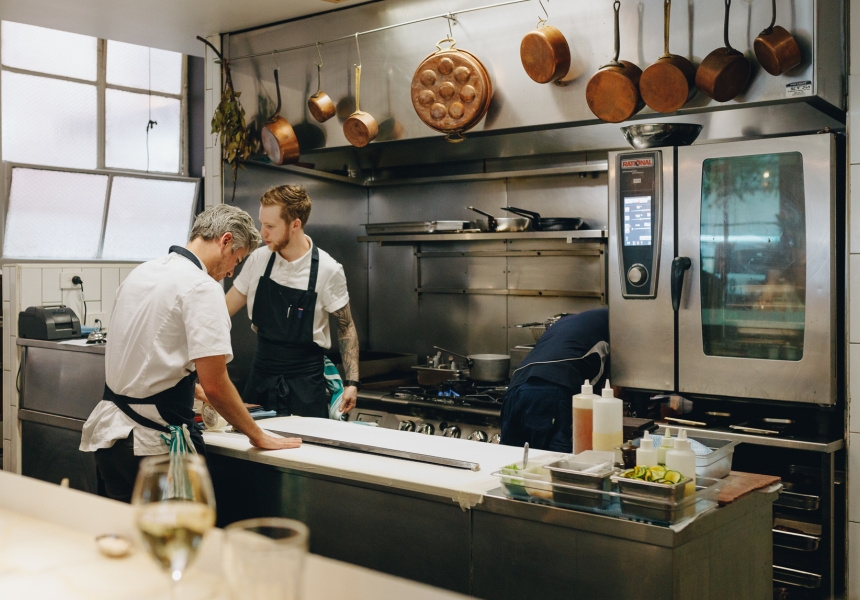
(776, 49)
(671, 81)
(320, 104)
(725, 72)
(360, 127)
(545, 54)
(279, 140)
(613, 92)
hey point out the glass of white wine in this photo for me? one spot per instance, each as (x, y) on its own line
(175, 508)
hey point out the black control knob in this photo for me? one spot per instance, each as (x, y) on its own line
(425, 428)
(496, 439)
(406, 426)
(637, 275)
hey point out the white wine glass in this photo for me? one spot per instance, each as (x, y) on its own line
(175, 506)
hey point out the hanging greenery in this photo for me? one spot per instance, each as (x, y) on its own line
(229, 123)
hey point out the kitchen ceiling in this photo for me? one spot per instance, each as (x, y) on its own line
(165, 24)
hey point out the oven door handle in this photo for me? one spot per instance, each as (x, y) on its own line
(679, 265)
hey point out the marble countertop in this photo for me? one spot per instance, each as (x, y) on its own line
(48, 550)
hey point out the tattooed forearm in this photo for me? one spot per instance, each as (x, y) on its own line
(347, 338)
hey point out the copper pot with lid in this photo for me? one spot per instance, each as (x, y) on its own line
(613, 92)
(279, 140)
(451, 90)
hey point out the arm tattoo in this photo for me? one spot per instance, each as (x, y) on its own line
(347, 338)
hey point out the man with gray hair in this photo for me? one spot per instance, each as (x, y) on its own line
(170, 325)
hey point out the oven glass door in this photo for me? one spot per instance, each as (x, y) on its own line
(753, 256)
(757, 313)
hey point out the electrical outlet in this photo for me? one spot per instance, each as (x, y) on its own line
(66, 280)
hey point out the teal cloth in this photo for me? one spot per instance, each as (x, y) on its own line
(179, 444)
(334, 384)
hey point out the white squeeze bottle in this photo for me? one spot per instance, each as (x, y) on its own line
(681, 458)
(646, 453)
(667, 444)
(583, 417)
(608, 421)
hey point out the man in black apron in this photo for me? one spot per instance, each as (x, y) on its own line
(169, 326)
(538, 404)
(291, 287)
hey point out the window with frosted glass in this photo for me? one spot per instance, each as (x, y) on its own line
(147, 216)
(49, 121)
(54, 214)
(48, 51)
(753, 248)
(128, 142)
(129, 65)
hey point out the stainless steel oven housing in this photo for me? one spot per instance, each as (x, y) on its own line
(655, 347)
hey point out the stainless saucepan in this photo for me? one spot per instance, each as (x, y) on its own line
(500, 224)
(485, 367)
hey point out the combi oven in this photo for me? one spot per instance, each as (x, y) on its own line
(723, 262)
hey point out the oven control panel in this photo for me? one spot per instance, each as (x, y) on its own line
(639, 207)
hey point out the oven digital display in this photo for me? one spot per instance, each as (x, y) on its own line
(637, 221)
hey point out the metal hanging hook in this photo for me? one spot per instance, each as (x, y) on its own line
(541, 20)
(320, 64)
(319, 69)
(451, 17)
(358, 49)
(275, 60)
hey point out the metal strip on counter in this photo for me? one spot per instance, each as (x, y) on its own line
(368, 449)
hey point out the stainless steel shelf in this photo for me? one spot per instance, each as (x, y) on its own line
(496, 292)
(586, 235)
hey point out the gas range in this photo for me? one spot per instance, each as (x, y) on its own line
(458, 409)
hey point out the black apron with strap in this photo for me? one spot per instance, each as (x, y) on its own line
(287, 373)
(175, 405)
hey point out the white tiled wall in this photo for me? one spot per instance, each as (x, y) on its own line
(38, 285)
(853, 303)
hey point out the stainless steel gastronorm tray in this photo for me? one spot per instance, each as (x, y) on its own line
(414, 227)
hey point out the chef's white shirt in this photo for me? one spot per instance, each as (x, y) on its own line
(167, 313)
(332, 294)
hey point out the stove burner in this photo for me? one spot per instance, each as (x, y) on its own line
(454, 393)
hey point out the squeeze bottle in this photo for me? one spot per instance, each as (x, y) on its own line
(583, 418)
(681, 458)
(667, 444)
(646, 453)
(608, 421)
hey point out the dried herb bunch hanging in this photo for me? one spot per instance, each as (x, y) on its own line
(229, 122)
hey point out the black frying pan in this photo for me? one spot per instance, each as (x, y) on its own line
(549, 224)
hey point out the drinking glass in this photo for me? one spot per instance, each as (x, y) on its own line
(175, 508)
(263, 559)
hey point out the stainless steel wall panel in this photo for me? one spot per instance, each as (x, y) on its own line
(434, 202)
(563, 196)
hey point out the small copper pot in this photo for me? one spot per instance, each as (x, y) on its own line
(320, 104)
(725, 72)
(776, 49)
(279, 140)
(670, 82)
(613, 92)
(545, 54)
(360, 128)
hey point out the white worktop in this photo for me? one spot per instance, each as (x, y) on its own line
(48, 551)
(461, 485)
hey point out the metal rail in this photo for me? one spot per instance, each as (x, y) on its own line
(451, 16)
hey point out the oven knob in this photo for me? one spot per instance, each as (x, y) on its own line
(406, 426)
(425, 428)
(478, 436)
(453, 431)
(496, 439)
(637, 275)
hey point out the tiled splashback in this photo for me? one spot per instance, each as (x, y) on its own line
(34, 284)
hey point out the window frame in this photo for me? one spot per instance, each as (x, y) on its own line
(101, 86)
(110, 174)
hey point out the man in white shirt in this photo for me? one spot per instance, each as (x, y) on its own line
(291, 287)
(169, 323)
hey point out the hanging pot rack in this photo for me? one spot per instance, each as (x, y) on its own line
(451, 16)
